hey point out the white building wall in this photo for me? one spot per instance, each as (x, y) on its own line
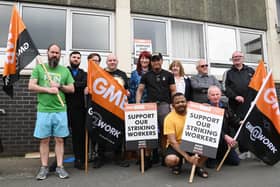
(273, 39)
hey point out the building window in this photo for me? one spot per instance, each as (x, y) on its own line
(90, 32)
(5, 15)
(221, 44)
(46, 25)
(278, 11)
(187, 40)
(251, 46)
(151, 30)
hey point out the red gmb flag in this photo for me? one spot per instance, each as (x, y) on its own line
(19, 53)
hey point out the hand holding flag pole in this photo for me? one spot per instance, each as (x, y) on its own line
(39, 60)
(245, 118)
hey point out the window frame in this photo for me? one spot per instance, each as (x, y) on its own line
(238, 31)
(154, 19)
(7, 4)
(44, 51)
(218, 66)
(111, 28)
(193, 60)
(68, 35)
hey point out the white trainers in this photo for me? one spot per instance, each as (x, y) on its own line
(244, 155)
(247, 155)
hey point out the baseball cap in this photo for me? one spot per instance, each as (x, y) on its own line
(156, 57)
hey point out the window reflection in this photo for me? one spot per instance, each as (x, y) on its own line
(251, 46)
(90, 32)
(222, 42)
(151, 30)
(5, 15)
(45, 25)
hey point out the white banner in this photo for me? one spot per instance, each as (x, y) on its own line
(203, 128)
(142, 45)
(141, 122)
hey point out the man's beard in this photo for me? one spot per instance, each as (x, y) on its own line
(74, 66)
(53, 62)
(181, 110)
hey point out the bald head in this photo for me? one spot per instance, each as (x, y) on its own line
(112, 62)
(237, 59)
(214, 95)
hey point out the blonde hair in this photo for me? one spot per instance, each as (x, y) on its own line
(177, 63)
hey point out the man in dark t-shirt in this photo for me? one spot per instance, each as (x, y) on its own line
(160, 86)
(120, 76)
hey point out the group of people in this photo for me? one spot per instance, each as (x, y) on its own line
(58, 87)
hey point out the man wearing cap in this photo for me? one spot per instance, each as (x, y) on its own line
(201, 82)
(160, 87)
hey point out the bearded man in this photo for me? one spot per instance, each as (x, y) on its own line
(51, 114)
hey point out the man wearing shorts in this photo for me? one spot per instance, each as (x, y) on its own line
(51, 114)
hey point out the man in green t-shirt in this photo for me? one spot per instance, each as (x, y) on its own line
(51, 114)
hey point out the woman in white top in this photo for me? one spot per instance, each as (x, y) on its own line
(182, 82)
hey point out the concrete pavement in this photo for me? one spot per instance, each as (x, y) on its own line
(18, 171)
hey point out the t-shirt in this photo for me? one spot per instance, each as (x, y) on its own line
(174, 124)
(120, 76)
(158, 85)
(49, 102)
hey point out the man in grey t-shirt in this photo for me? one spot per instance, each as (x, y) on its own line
(201, 82)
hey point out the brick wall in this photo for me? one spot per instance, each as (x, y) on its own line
(17, 125)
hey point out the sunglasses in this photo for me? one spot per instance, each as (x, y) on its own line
(204, 65)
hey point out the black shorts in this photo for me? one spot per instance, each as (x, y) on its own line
(171, 151)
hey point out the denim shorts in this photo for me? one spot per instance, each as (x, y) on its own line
(51, 124)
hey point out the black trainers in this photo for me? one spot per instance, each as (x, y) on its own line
(122, 163)
(211, 163)
(42, 173)
(79, 164)
(97, 163)
(53, 166)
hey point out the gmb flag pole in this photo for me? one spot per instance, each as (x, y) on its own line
(19, 53)
(260, 129)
